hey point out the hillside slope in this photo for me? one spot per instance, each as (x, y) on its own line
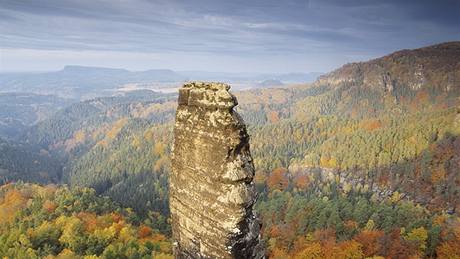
(348, 165)
(18, 111)
(116, 145)
(58, 222)
(28, 163)
(364, 159)
(435, 67)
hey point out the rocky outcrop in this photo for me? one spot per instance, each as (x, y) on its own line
(436, 66)
(211, 184)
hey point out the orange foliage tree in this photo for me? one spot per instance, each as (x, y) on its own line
(301, 181)
(278, 179)
(370, 241)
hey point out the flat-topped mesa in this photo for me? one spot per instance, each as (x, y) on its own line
(211, 184)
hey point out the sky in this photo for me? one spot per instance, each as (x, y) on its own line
(272, 36)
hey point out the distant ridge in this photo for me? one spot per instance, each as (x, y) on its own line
(436, 66)
(85, 82)
(79, 69)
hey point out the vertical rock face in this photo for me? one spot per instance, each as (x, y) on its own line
(211, 185)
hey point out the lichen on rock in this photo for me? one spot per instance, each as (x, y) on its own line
(212, 191)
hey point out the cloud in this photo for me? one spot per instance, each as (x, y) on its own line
(325, 33)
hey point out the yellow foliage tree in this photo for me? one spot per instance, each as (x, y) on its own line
(116, 128)
(418, 235)
(311, 251)
(159, 149)
(349, 250)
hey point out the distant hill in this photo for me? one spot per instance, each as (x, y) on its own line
(435, 67)
(251, 78)
(18, 111)
(88, 115)
(80, 82)
(270, 83)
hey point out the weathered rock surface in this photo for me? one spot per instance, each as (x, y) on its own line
(432, 67)
(211, 185)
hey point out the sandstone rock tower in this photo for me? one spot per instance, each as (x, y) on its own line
(211, 185)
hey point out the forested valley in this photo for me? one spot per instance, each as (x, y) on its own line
(363, 163)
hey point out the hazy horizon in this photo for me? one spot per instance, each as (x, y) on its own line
(161, 68)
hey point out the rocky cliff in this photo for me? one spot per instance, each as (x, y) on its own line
(211, 184)
(435, 67)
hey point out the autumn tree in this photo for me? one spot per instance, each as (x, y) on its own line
(278, 179)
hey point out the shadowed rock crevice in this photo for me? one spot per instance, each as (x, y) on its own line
(211, 185)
